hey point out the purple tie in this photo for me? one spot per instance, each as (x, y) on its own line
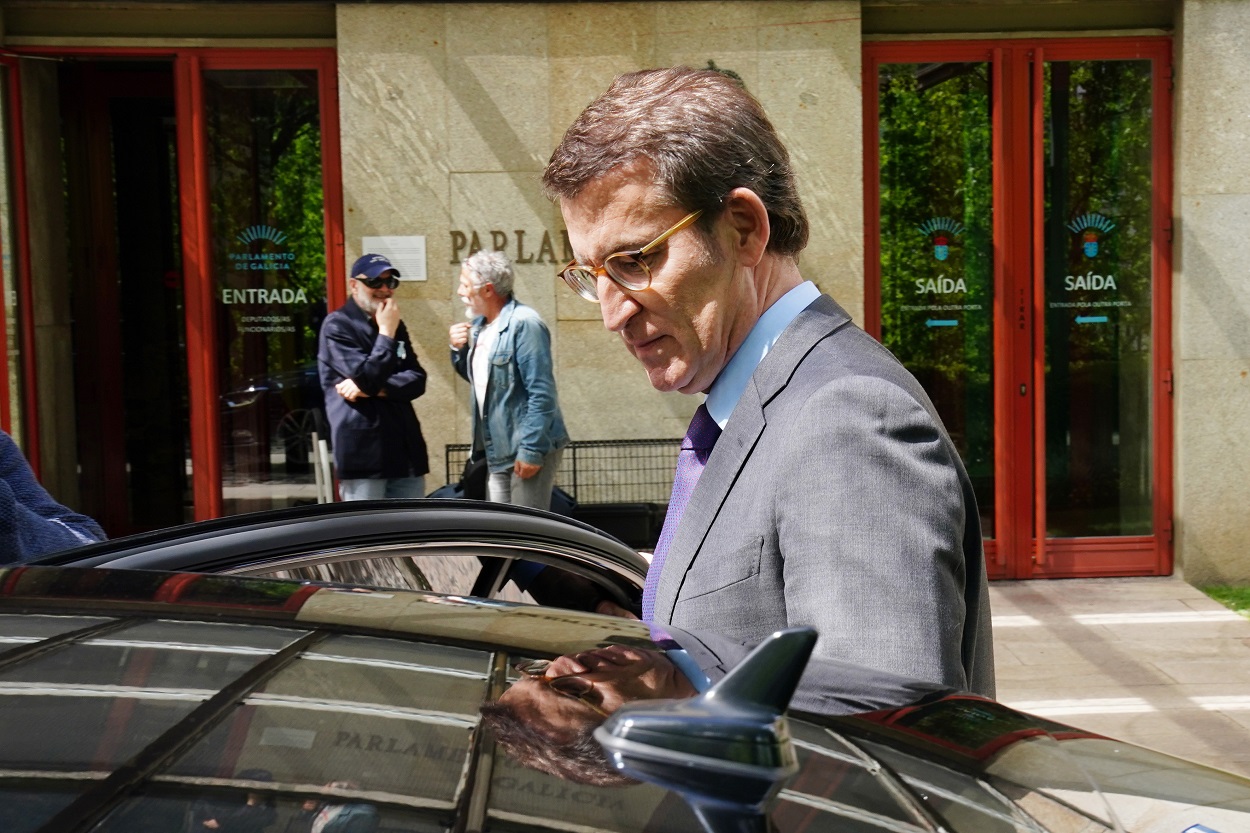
(696, 447)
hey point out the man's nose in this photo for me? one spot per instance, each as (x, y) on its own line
(564, 666)
(615, 305)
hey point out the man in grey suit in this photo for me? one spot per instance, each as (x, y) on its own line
(834, 497)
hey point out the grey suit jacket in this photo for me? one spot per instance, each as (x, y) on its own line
(828, 686)
(835, 499)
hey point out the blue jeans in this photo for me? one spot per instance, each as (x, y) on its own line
(376, 488)
(506, 487)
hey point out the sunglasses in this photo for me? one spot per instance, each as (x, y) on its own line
(629, 270)
(570, 685)
(388, 281)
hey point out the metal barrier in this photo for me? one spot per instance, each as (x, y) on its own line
(621, 486)
(603, 471)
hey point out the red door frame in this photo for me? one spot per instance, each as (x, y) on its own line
(197, 261)
(1021, 549)
(188, 66)
(21, 241)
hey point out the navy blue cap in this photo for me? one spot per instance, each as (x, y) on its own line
(371, 266)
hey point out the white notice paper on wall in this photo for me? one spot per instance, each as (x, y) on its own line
(407, 254)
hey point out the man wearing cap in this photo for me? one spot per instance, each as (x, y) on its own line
(370, 375)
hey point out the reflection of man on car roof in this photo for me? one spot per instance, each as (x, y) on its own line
(547, 717)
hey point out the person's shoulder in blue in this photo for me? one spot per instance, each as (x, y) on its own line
(32, 523)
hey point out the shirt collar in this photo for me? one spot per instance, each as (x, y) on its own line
(725, 392)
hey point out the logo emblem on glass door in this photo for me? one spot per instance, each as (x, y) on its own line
(1091, 227)
(941, 230)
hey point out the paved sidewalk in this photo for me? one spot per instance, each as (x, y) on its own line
(1148, 660)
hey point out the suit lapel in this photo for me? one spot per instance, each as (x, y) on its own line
(742, 433)
(723, 467)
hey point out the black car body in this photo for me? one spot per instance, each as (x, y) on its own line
(142, 700)
(145, 698)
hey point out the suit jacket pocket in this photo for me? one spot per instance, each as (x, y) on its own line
(712, 571)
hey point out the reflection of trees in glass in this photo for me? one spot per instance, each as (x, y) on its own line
(298, 209)
(1098, 161)
(265, 186)
(934, 125)
(265, 170)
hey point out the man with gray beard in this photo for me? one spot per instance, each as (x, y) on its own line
(370, 375)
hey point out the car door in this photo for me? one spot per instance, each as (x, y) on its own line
(459, 547)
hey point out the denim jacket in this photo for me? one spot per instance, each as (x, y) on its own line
(523, 420)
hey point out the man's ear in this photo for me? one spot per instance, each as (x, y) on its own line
(746, 215)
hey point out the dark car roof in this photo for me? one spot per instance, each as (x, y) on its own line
(360, 522)
(135, 699)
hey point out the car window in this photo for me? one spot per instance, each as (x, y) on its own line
(369, 568)
(526, 799)
(83, 708)
(488, 571)
(24, 810)
(220, 711)
(73, 693)
(456, 574)
(397, 715)
(17, 628)
(835, 780)
(167, 809)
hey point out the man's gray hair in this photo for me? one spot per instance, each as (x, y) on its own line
(493, 268)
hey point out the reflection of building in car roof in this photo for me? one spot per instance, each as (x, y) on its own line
(131, 697)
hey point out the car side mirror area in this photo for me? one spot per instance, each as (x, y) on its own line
(727, 751)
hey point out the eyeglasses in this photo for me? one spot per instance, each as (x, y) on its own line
(389, 281)
(570, 685)
(628, 269)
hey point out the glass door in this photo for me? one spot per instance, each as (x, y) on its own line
(269, 244)
(1018, 197)
(203, 222)
(936, 253)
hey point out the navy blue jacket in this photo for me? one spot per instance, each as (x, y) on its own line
(31, 522)
(377, 436)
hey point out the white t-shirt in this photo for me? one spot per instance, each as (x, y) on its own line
(480, 362)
